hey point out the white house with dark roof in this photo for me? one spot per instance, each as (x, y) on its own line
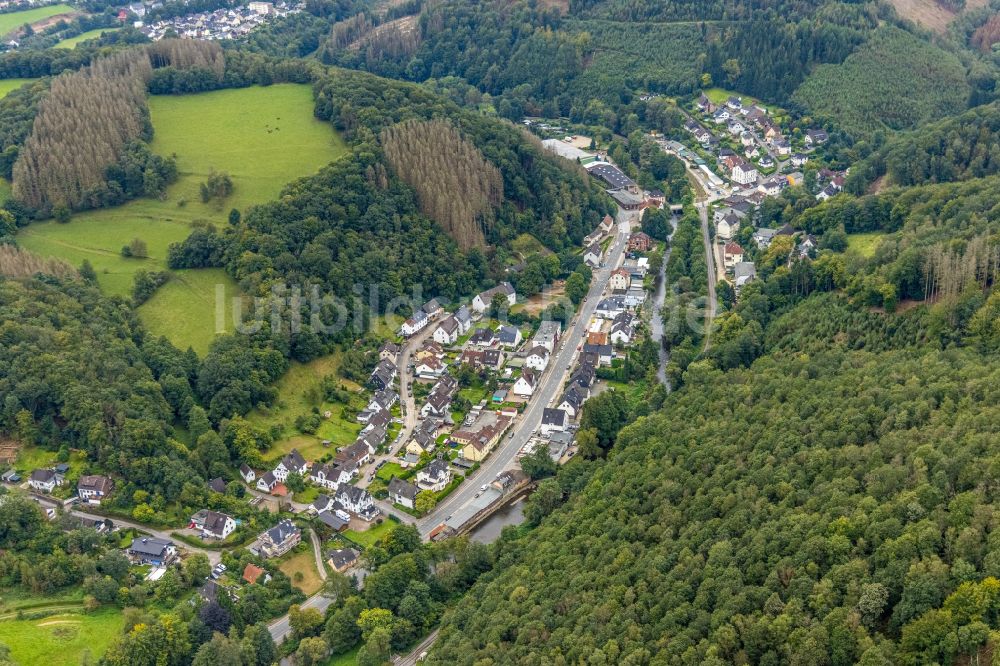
(152, 550)
(464, 320)
(292, 462)
(247, 473)
(45, 480)
(280, 539)
(414, 324)
(92, 488)
(525, 384)
(435, 476)
(484, 300)
(357, 501)
(554, 420)
(447, 331)
(509, 336)
(266, 482)
(402, 492)
(592, 256)
(217, 525)
(537, 358)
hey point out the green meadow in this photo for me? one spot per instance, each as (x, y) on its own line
(864, 244)
(7, 85)
(82, 37)
(264, 137)
(4, 190)
(62, 640)
(14, 20)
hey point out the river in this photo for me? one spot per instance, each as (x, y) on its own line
(656, 315)
(489, 531)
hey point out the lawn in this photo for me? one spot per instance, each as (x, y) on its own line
(6, 85)
(82, 37)
(864, 244)
(264, 137)
(370, 536)
(390, 470)
(299, 390)
(14, 20)
(192, 307)
(34, 457)
(61, 640)
(346, 659)
(719, 96)
(305, 563)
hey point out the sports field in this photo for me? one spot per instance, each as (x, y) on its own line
(264, 137)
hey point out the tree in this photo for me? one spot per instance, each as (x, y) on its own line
(295, 482)
(499, 307)
(196, 568)
(342, 631)
(311, 652)
(257, 646)
(576, 287)
(219, 651)
(377, 648)
(402, 538)
(546, 498)
(87, 272)
(136, 248)
(605, 414)
(304, 621)
(425, 502)
(539, 464)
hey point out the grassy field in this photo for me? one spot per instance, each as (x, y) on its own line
(305, 563)
(263, 137)
(370, 536)
(61, 640)
(14, 20)
(864, 244)
(719, 96)
(299, 391)
(346, 659)
(185, 309)
(4, 190)
(6, 85)
(82, 37)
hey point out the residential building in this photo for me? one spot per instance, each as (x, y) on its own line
(343, 559)
(509, 336)
(152, 550)
(547, 335)
(267, 482)
(292, 462)
(609, 307)
(799, 159)
(93, 488)
(247, 473)
(572, 400)
(762, 237)
(383, 375)
(389, 351)
(357, 501)
(217, 525)
(483, 301)
(640, 241)
(592, 255)
(432, 308)
(423, 439)
(252, 573)
(447, 331)
(525, 384)
(732, 254)
(323, 502)
(537, 358)
(744, 272)
(331, 475)
(727, 226)
(337, 520)
(414, 324)
(280, 539)
(815, 137)
(429, 368)
(483, 337)
(620, 279)
(45, 480)
(743, 172)
(623, 329)
(435, 476)
(554, 420)
(604, 352)
(464, 320)
(402, 493)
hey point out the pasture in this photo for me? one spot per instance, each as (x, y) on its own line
(264, 137)
(62, 640)
(71, 42)
(14, 20)
(864, 244)
(7, 85)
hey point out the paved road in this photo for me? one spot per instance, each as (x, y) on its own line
(318, 554)
(282, 627)
(548, 391)
(214, 556)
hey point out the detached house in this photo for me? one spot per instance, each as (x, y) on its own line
(815, 137)
(447, 331)
(483, 337)
(537, 358)
(389, 351)
(592, 256)
(217, 525)
(414, 324)
(402, 493)
(623, 329)
(93, 488)
(151, 550)
(727, 225)
(280, 539)
(620, 279)
(525, 384)
(357, 501)
(554, 420)
(435, 476)
(732, 255)
(572, 401)
(383, 375)
(292, 462)
(45, 480)
(547, 335)
(429, 368)
(247, 473)
(509, 336)
(483, 301)
(464, 320)
(267, 482)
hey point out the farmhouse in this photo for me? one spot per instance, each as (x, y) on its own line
(483, 301)
(280, 539)
(402, 493)
(93, 488)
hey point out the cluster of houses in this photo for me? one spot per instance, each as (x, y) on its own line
(757, 135)
(433, 477)
(90, 488)
(227, 23)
